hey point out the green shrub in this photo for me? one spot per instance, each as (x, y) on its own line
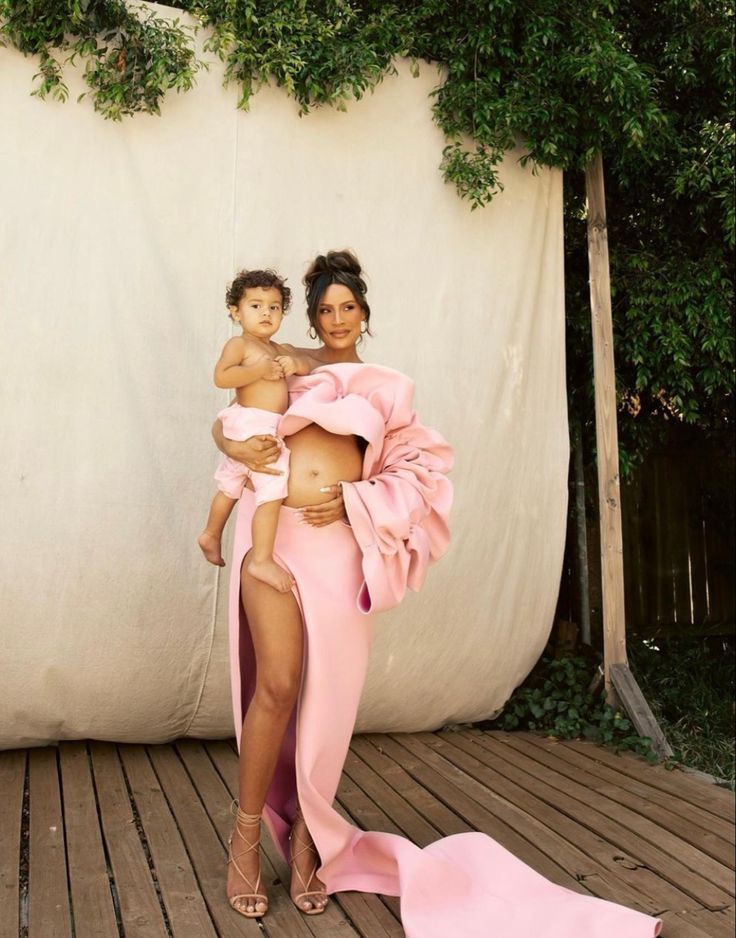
(689, 684)
(556, 699)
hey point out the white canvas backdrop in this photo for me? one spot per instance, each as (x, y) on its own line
(117, 243)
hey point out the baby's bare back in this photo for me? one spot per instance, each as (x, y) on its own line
(266, 394)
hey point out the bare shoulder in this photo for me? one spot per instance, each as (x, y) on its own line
(235, 344)
(252, 350)
(233, 351)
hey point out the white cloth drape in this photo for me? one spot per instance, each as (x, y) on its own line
(117, 243)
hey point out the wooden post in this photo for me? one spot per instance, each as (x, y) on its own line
(581, 539)
(606, 428)
(621, 688)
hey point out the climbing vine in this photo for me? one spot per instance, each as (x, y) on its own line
(561, 84)
(131, 56)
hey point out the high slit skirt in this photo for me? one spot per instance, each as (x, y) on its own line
(463, 886)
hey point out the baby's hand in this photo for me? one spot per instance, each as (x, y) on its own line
(288, 365)
(272, 370)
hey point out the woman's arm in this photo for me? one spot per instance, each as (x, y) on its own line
(255, 452)
(297, 361)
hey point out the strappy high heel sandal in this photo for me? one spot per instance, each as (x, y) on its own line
(298, 847)
(255, 897)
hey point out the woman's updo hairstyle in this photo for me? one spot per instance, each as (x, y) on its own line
(341, 267)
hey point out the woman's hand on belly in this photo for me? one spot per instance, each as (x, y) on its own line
(326, 512)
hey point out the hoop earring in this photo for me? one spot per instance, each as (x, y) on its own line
(312, 333)
(362, 330)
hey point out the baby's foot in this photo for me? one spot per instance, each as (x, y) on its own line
(211, 548)
(268, 571)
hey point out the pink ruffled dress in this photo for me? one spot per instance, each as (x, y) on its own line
(463, 886)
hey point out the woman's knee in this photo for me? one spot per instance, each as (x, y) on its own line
(278, 689)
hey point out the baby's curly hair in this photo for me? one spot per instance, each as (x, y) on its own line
(257, 278)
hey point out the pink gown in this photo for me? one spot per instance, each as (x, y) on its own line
(465, 885)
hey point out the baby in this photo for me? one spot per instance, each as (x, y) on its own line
(257, 368)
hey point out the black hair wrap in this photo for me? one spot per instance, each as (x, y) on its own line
(326, 279)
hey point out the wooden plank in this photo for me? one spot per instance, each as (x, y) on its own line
(677, 862)
(478, 806)
(437, 814)
(205, 849)
(673, 821)
(679, 925)
(714, 924)
(663, 610)
(675, 782)
(606, 430)
(363, 811)
(696, 826)
(94, 912)
(633, 548)
(407, 818)
(633, 701)
(696, 539)
(49, 915)
(369, 916)
(185, 906)
(649, 569)
(12, 784)
(677, 538)
(140, 910)
(590, 860)
(719, 547)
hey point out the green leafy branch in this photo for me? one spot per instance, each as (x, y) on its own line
(132, 57)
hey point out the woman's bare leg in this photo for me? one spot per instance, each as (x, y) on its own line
(276, 631)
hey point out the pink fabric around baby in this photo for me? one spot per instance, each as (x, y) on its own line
(466, 885)
(241, 423)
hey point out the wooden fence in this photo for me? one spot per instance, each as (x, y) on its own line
(678, 543)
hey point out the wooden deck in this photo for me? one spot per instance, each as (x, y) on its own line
(107, 840)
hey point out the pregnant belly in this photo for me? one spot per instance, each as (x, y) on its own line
(320, 458)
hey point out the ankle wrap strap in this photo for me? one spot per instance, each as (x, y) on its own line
(248, 818)
(243, 815)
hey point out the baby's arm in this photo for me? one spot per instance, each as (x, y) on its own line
(233, 371)
(295, 361)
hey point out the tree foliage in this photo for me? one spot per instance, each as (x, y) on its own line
(131, 56)
(647, 82)
(671, 233)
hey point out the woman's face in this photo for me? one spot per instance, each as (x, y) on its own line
(339, 317)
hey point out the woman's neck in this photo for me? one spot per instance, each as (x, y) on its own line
(337, 356)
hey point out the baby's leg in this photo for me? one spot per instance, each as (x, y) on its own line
(210, 540)
(261, 564)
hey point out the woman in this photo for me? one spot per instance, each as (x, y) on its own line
(365, 515)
